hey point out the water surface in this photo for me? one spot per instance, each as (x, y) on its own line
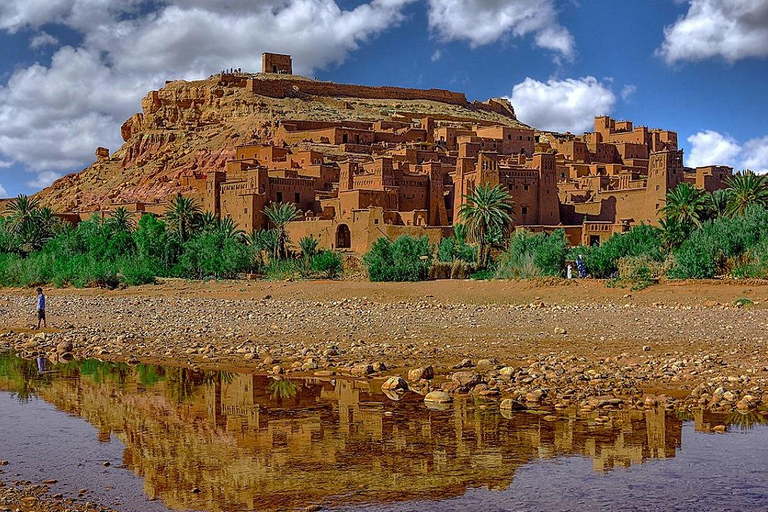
(190, 440)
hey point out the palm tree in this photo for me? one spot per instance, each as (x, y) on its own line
(121, 220)
(22, 209)
(280, 215)
(746, 188)
(208, 220)
(673, 233)
(262, 242)
(228, 228)
(488, 210)
(183, 215)
(718, 203)
(308, 246)
(686, 204)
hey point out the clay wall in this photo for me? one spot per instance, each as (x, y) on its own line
(287, 88)
(713, 177)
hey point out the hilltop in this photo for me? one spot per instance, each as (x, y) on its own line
(189, 128)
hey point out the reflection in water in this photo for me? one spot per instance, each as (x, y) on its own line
(252, 442)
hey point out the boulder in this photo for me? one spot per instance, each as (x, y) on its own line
(426, 372)
(394, 383)
(467, 379)
(438, 397)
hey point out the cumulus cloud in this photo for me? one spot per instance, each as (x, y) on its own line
(483, 22)
(43, 179)
(562, 105)
(710, 147)
(53, 117)
(42, 40)
(731, 29)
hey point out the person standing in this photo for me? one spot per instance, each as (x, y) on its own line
(41, 308)
(569, 271)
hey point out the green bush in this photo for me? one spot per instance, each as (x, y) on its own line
(280, 270)
(603, 261)
(533, 255)
(454, 249)
(736, 245)
(405, 259)
(213, 254)
(327, 263)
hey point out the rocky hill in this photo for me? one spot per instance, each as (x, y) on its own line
(188, 128)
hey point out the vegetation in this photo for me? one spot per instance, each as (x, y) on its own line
(37, 248)
(700, 236)
(280, 214)
(487, 215)
(405, 259)
(533, 255)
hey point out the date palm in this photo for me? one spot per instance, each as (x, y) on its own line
(280, 214)
(718, 203)
(183, 215)
(488, 210)
(746, 188)
(22, 209)
(686, 204)
(121, 220)
(228, 229)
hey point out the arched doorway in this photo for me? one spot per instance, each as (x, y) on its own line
(343, 237)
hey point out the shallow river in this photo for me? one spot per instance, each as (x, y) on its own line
(152, 438)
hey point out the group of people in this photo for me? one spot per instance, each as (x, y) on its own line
(580, 268)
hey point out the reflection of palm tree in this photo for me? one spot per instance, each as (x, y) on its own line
(282, 388)
(180, 383)
(745, 420)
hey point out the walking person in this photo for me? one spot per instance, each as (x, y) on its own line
(41, 308)
(569, 271)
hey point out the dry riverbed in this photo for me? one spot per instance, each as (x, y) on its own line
(549, 345)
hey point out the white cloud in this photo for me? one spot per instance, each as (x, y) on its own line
(755, 155)
(628, 91)
(713, 148)
(3, 192)
(562, 105)
(43, 179)
(53, 117)
(42, 40)
(437, 56)
(731, 29)
(483, 22)
(5, 164)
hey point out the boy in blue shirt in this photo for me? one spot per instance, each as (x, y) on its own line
(41, 308)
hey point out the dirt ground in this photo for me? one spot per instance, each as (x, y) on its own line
(408, 324)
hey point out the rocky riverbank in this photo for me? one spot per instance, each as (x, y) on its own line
(26, 496)
(545, 347)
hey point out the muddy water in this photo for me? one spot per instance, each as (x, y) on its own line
(184, 440)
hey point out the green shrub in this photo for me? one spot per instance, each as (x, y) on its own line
(328, 263)
(736, 245)
(213, 254)
(280, 270)
(603, 260)
(452, 249)
(533, 255)
(405, 259)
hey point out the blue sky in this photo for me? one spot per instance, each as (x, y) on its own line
(71, 71)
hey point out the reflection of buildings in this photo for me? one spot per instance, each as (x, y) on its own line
(247, 443)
